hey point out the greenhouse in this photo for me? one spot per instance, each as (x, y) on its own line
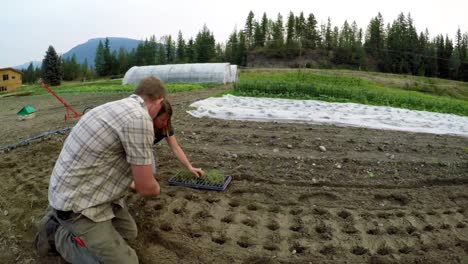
(233, 73)
(182, 73)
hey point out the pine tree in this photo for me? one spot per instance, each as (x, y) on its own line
(122, 61)
(99, 60)
(375, 37)
(290, 34)
(107, 58)
(170, 49)
(310, 33)
(249, 29)
(204, 45)
(258, 35)
(278, 33)
(181, 52)
(161, 57)
(191, 52)
(232, 48)
(51, 67)
(28, 76)
(328, 37)
(300, 27)
(464, 58)
(265, 30)
(242, 50)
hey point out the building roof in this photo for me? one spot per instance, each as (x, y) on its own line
(12, 69)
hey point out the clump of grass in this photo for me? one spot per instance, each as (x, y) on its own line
(212, 177)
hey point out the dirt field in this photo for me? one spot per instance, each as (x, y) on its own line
(372, 197)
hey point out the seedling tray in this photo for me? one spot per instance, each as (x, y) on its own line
(202, 184)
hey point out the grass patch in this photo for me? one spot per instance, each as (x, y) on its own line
(109, 86)
(342, 88)
(212, 177)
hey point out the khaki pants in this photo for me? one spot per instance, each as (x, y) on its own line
(105, 241)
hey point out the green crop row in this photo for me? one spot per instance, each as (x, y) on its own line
(109, 87)
(342, 89)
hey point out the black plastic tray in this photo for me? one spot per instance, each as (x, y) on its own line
(201, 184)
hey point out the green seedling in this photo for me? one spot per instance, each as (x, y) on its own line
(212, 177)
(371, 174)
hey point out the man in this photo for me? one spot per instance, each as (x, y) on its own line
(109, 147)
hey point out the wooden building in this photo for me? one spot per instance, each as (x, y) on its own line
(10, 79)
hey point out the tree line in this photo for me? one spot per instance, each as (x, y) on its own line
(396, 48)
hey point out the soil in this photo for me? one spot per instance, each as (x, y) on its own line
(368, 196)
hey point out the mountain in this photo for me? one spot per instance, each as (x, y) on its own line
(88, 50)
(26, 65)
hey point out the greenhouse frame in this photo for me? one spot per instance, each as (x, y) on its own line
(183, 73)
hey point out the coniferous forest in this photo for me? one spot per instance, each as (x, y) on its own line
(294, 40)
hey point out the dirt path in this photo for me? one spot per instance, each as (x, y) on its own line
(372, 197)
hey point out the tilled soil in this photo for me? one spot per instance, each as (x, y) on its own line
(371, 196)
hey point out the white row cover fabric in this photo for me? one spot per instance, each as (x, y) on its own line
(318, 112)
(182, 73)
(233, 73)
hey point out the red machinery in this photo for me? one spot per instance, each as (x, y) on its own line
(71, 113)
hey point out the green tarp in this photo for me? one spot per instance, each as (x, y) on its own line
(27, 110)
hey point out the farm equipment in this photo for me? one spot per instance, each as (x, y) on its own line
(71, 113)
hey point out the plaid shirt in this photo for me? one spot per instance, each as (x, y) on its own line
(93, 169)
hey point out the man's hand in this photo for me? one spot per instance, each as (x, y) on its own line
(145, 183)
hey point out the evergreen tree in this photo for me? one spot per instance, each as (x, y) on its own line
(107, 58)
(28, 76)
(300, 28)
(242, 50)
(265, 30)
(335, 35)
(463, 72)
(278, 33)
(375, 37)
(85, 71)
(290, 34)
(51, 67)
(191, 52)
(151, 50)
(161, 57)
(249, 29)
(122, 61)
(220, 57)
(258, 35)
(310, 33)
(71, 69)
(232, 48)
(99, 60)
(170, 49)
(140, 59)
(328, 37)
(205, 45)
(396, 43)
(181, 52)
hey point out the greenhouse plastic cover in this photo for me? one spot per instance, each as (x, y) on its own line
(318, 112)
(182, 73)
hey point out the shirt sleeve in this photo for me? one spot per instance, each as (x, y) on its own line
(137, 138)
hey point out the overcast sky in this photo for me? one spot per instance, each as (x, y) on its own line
(28, 27)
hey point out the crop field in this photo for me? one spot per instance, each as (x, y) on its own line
(300, 193)
(305, 84)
